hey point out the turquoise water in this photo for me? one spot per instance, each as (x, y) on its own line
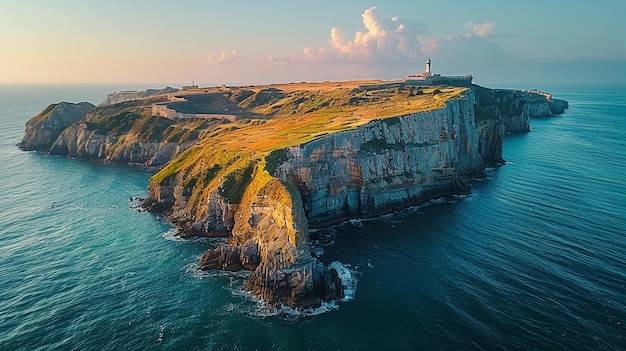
(533, 258)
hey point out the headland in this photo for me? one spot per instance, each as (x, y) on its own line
(263, 164)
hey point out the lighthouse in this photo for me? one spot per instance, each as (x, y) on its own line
(428, 71)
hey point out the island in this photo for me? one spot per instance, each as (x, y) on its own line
(262, 165)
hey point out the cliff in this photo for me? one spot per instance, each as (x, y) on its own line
(121, 132)
(386, 164)
(516, 107)
(43, 129)
(296, 156)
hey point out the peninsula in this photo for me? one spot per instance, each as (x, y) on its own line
(262, 165)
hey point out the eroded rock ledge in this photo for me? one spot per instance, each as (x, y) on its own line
(297, 158)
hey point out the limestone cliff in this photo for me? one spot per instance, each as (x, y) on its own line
(43, 129)
(516, 107)
(80, 141)
(386, 164)
(121, 132)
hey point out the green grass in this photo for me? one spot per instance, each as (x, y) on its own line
(235, 184)
(44, 114)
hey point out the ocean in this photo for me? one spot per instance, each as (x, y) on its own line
(533, 259)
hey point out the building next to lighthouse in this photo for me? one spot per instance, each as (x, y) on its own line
(429, 78)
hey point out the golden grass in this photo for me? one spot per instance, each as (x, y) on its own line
(306, 112)
(284, 130)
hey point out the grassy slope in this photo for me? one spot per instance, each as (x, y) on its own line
(300, 113)
(132, 121)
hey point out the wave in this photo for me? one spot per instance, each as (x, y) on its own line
(174, 235)
(348, 279)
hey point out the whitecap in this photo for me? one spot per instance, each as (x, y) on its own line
(172, 235)
(191, 270)
(293, 314)
(356, 222)
(439, 200)
(161, 332)
(263, 310)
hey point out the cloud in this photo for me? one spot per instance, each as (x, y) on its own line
(385, 37)
(223, 57)
(481, 29)
(281, 59)
(391, 47)
(470, 48)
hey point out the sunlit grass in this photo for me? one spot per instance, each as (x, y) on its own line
(304, 112)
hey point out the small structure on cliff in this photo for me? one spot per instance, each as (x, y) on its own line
(429, 78)
(192, 86)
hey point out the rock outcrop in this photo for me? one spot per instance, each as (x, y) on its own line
(516, 107)
(270, 238)
(121, 132)
(43, 129)
(542, 105)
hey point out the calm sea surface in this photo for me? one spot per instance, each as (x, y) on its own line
(533, 258)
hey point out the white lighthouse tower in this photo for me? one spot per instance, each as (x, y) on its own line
(428, 72)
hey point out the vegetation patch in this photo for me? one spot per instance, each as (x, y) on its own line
(44, 114)
(211, 173)
(235, 184)
(482, 114)
(275, 159)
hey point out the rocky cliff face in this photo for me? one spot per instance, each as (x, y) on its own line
(516, 107)
(387, 164)
(43, 129)
(79, 141)
(123, 132)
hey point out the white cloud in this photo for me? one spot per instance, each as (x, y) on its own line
(385, 37)
(390, 47)
(481, 29)
(224, 57)
(280, 59)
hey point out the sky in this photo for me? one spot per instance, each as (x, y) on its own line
(240, 42)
